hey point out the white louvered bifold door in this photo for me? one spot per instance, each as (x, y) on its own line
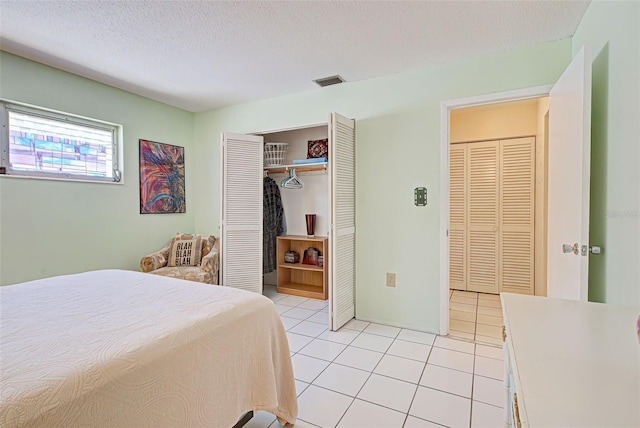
(242, 188)
(342, 164)
(458, 217)
(517, 195)
(483, 194)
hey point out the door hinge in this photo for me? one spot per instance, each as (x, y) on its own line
(504, 334)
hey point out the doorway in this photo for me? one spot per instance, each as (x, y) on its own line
(497, 160)
(477, 132)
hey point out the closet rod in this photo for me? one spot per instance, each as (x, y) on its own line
(303, 169)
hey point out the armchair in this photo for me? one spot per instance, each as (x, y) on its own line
(206, 271)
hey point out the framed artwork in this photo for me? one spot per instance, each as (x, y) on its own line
(161, 178)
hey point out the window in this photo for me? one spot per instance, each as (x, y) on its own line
(47, 144)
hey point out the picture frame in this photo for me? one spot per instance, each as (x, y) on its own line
(162, 178)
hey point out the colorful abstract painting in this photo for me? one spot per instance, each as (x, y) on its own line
(161, 178)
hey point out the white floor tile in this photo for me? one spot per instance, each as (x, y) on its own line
(292, 300)
(299, 313)
(299, 424)
(463, 293)
(320, 318)
(447, 380)
(359, 358)
(490, 320)
(372, 342)
(483, 310)
(462, 307)
(366, 415)
(454, 334)
(344, 336)
(416, 336)
(282, 308)
(451, 359)
(400, 368)
(355, 324)
(454, 345)
(485, 296)
(388, 392)
(313, 304)
(300, 387)
(489, 391)
(442, 408)
(297, 341)
(465, 326)
(489, 330)
(260, 419)
(289, 322)
(488, 340)
(489, 367)
(323, 349)
(413, 422)
(307, 328)
(343, 379)
(490, 303)
(486, 416)
(411, 350)
(462, 316)
(382, 330)
(322, 407)
(307, 368)
(490, 352)
(464, 299)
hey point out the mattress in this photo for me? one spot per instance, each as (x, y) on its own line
(129, 349)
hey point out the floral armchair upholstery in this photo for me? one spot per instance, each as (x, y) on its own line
(206, 271)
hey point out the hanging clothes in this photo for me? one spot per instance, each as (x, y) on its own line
(274, 223)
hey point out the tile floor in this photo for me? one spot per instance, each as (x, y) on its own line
(371, 375)
(475, 316)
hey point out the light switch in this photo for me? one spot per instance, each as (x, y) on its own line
(420, 196)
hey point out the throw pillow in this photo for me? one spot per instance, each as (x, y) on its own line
(185, 252)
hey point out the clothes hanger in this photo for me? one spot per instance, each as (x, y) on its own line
(291, 182)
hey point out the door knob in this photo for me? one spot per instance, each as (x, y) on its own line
(568, 248)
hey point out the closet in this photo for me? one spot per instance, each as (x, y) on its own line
(491, 233)
(328, 191)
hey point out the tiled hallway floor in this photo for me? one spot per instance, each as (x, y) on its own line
(371, 375)
(475, 316)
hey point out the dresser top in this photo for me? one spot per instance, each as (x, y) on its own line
(574, 363)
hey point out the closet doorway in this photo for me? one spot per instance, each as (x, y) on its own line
(497, 206)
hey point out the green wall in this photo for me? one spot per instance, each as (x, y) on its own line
(612, 31)
(56, 227)
(398, 149)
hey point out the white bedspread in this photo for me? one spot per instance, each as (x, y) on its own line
(128, 349)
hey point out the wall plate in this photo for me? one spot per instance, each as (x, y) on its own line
(420, 196)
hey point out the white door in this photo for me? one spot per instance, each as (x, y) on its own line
(241, 217)
(569, 176)
(342, 164)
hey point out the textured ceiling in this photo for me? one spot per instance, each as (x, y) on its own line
(200, 55)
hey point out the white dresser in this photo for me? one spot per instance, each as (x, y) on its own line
(570, 363)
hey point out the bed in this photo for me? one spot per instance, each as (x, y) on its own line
(129, 349)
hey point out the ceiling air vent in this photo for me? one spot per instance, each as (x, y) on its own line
(328, 81)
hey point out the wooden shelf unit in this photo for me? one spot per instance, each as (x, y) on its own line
(301, 279)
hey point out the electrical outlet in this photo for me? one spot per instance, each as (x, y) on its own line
(391, 279)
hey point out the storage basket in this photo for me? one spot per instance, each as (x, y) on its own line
(274, 153)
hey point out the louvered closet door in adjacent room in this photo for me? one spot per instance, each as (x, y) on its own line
(483, 216)
(342, 160)
(517, 197)
(241, 235)
(457, 217)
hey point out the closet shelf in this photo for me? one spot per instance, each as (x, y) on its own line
(300, 266)
(303, 167)
(303, 290)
